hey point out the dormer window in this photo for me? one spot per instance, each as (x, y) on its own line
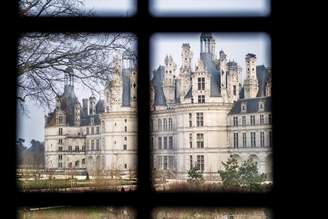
(261, 106)
(243, 107)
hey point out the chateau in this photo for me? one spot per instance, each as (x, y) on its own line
(202, 116)
(199, 117)
(99, 136)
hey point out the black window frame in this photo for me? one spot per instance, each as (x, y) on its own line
(133, 24)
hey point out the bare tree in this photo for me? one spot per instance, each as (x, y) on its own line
(44, 60)
(52, 8)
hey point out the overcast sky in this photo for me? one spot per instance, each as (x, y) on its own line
(210, 7)
(112, 7)
(236, 46)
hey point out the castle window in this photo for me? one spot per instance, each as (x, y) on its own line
(125, 120)
(262, 139)
(190, 162)
(200, 119)
(201, 83)
(235, 121)
(60, 141)
(261, 106)
(159, 125)
(60, 119)
(60, 148)
(201, 98)
(165, 163)
(125, 147)
(60, 131)
(77, 163)
(171, 162)
(243, 120)
(125, 138)
(244, 140)
(159, 142)
(253, 140)
(190, 120)
(70, 165)
(165, 124)
(60, 157)
(252, 119)
(269, 119)
(170, 124)
(165, 142)
(97, 129)
(92, 130)
(200, 140)
(200, 162)
(261, 119)
(125, 128)
(243, 108)
(83, 161)
(171, 142)
(103, 125)
(76, 148)
(92, 144)
(83, 148)
(87, 130)
(69, 148)
(97, 145)
(60, 165)
(235, 140)
(125, 166)
(190, 140)
(234, 90)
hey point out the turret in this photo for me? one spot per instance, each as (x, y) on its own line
(233, 81)
(169, 79)
(77, 114)
(251, 83)
(185, 70)
(116, 86)
(207, 44)
(85, 106)
(92, 105)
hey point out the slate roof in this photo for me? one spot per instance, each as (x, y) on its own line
(262, 75)
(252, 105)
(157, 82)
(214, 72)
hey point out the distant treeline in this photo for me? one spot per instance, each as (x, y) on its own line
(30, 157)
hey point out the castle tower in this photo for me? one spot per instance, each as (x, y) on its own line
(130, 75)
(92, 105)
(116, 86)
(268, 85)
(233, 75)
(251, 83)
(223, 73)
(169, 80)
(85, 106)
(185, 70)
(207, 44)
(77, 114)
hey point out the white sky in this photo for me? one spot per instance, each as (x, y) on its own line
(112, 7)
(210, 7)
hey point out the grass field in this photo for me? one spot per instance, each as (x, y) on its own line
(75, 213)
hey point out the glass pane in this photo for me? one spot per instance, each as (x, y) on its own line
(77, 7)
(210, 7)
(76, 110)
(205, 83)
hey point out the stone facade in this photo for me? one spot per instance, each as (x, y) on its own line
(99, 136)
(199, 126)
